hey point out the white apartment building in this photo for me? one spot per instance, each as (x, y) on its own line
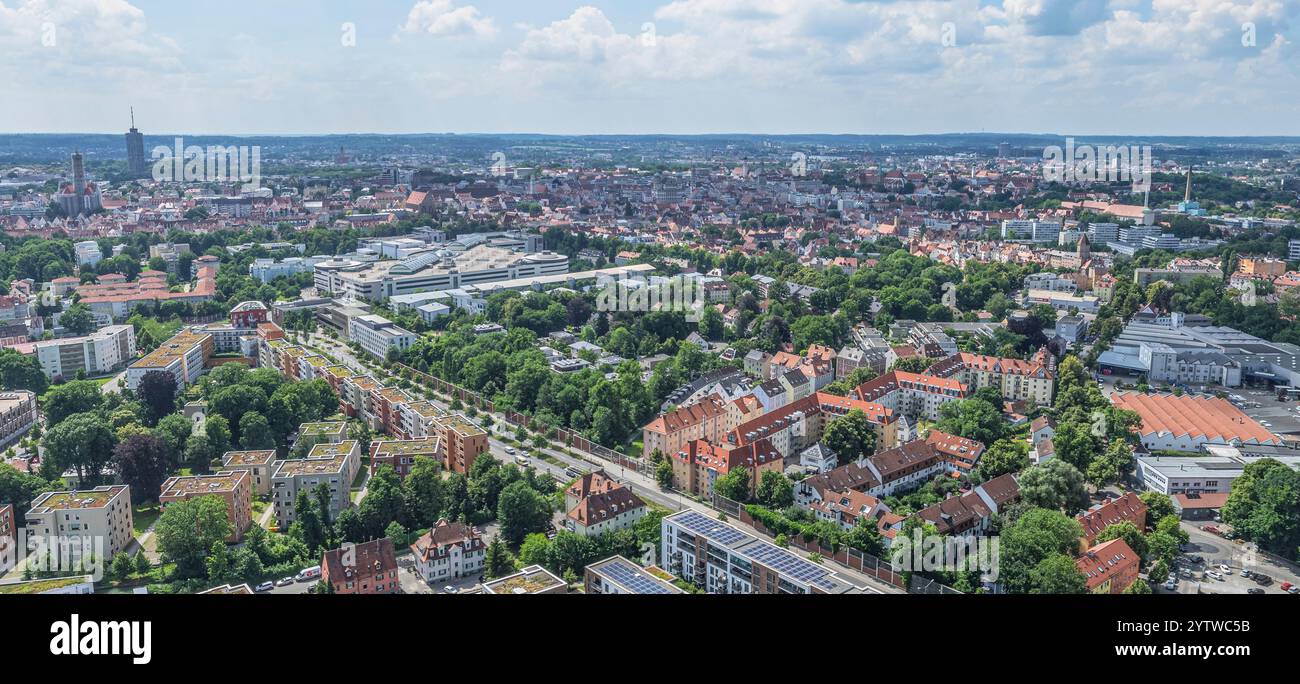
(1034, 231)
(448, 551)
(88, 253)
(184, 356)
(266, 270)
(100, 352)
(377, 334)
(102, 513)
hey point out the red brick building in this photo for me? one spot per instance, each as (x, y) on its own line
(1127, 508)
(366, 568)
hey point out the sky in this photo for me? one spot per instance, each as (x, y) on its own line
(1074, 67)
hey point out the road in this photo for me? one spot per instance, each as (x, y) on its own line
(642, 485)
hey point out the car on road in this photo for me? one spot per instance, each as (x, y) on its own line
(1213, 575)
(510, 450)
(1211, 529)
(265, 586)
(1245, 573)
(1170, 586)
(521, 460)
(1254, 590)
(284, 582)
(449, 589)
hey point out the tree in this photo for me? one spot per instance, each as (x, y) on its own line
(198, 453)
(1002, 457)
(20, 488)
(664, 474)
(78, 320)
(1057, 574)
(82, 442)
(142, 463)
(157, 390)
(174, 430)
(1172, 526)
(1035, 536)
(1056, 485)
(307, 525)
(255, 432)
(734, 485)
(775, 490)
(710, 325)
(122, 566)
(78, 396)
(1129, 533)
(521, 511)
(973, 419)
(187, 530)
(850, 436)
(142, 565)
(498, 562)
(1138, 586)
(397, 532)
(424, 492)
(1075, 444)
(22, 372)
(1158, 504)
(1264, 506)
(1111, 464)
(217, 429)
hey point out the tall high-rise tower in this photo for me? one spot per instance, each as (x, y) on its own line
(135, 150)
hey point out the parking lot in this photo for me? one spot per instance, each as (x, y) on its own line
(1216, 551)
(1279, 417)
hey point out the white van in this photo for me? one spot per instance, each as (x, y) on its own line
(312, 573)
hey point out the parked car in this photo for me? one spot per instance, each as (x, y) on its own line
(510, 450)
(284, 582)
(1263, 579)
(265, 586)
(1197, 559)
(1245, 573)
(1225, 569)
(1170, 586)
(1187, 574)
(449, 589)
(308, 574)
(1254, 590)
(1286, 586)
(1211, 529)
(1213, 575)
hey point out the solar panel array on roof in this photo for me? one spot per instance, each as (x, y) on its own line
(712, 530)
(634, 579)
(786, 563)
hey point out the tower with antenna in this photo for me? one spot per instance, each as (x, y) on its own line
(135, 164)
(1189, 206)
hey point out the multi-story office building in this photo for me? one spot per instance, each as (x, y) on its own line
(722, 559)
(102, 513)
(17, 414)
(618, 575)
(135, 161)
(266, 270)
(433, 269)
(377, 335)
(233, 486)
(1034, 231)
(184, 356)
(334, 465)
(100, 352)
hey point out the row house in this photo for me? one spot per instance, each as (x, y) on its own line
(884, 473)
(912, 394)
(971, 514)
(671, 431)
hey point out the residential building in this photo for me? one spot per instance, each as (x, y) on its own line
(400, 454)
(258, 464)
(699, 465)
(102, 513)
(462, 443)
(722, 559)
(912, 394)
(330, 432)
(233, 486)
(961, 454)
(884, 473)
(8, 534)
(18, 413)
(184, 356)
(1031, 381)
(1109, 567)
(1126, 508)
(449, 551)
(334, 465)
(671, 431)
(377, 335)
(971, 514)
(533, 579)
(103, 351)
(366, 568)
(618, 575)
(597, 504)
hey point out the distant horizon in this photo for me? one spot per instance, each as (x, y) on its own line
(723, 134)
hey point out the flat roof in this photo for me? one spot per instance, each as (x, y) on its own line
(248, 458)
(310, 466)
(91, 498)
(330, 450)
(533, 579)
(322, 428)
(178, 346)
(198, 485)
(404, 447)
(633, 578)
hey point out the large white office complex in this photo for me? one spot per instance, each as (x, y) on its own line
(430, 270)
(377, 334)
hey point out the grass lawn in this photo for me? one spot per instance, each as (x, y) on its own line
(144, 516)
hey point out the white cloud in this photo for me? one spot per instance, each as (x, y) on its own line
(444, 18)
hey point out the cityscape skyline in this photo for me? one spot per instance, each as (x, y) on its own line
(687, 67)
